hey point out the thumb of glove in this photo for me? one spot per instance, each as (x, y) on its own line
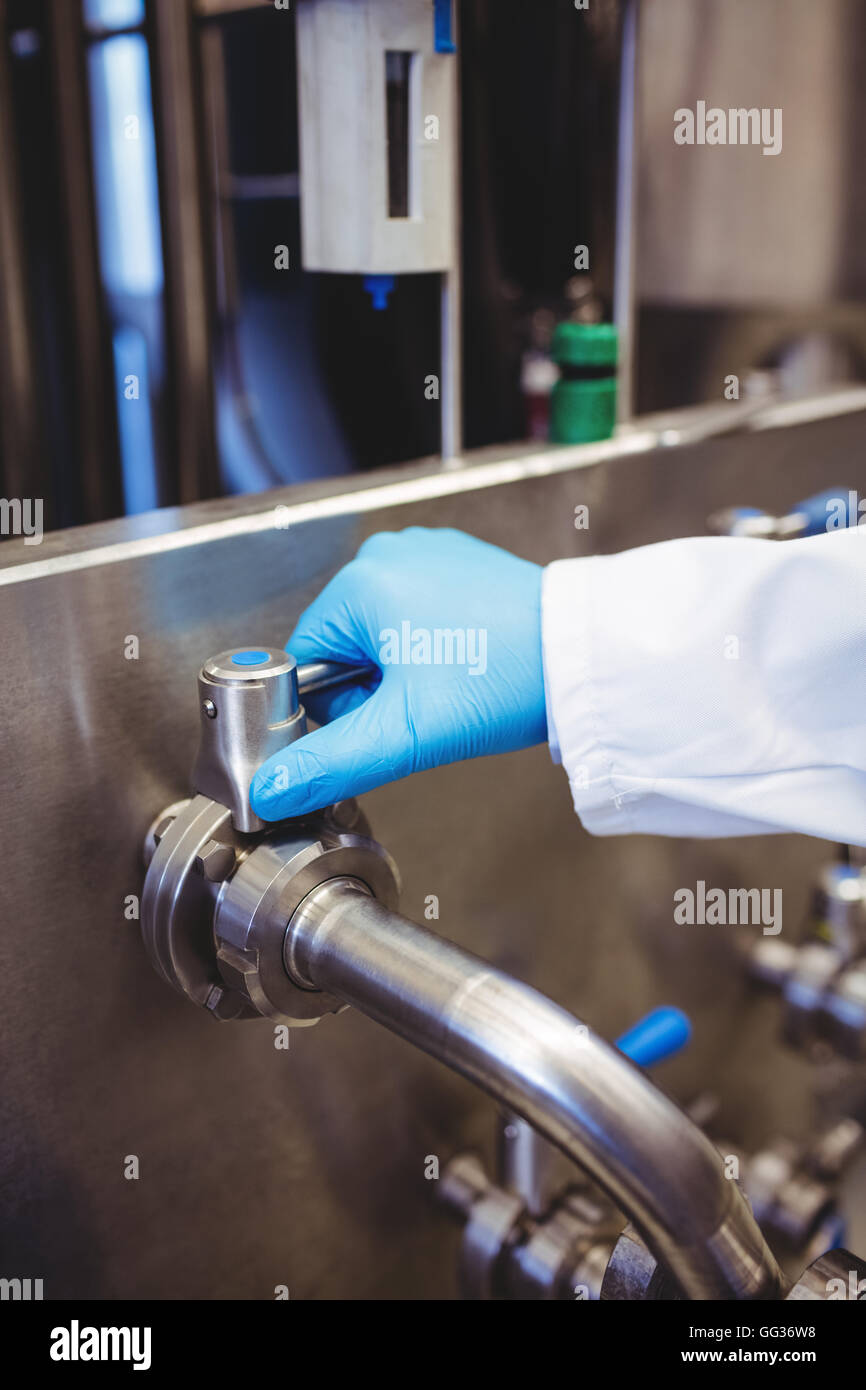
(356, 752)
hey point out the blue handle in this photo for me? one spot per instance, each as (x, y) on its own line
(834, 509)
(831, 510)
(659, 1035)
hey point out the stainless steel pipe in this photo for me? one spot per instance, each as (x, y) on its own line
(583, 1095)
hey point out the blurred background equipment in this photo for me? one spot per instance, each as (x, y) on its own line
(747, 262)
(219, 279)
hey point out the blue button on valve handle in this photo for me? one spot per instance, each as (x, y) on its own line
(661, 1034)
(250, 658)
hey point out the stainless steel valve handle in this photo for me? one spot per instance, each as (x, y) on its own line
(249, 703)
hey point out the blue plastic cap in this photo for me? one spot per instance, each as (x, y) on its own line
(378, 288)
(249, 658)
(662, 1034)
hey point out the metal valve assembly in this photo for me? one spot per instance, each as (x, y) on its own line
(222, 885)
(296, 920)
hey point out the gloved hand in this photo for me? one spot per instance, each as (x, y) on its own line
(407, 602)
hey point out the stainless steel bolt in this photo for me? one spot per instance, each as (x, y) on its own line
(214, 861)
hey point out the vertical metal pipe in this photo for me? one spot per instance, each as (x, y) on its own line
(188, 249)
(624, 292)
(452, 367)
(451, 299)
(527, 1164)
(98, 453)
(22, 461)
(542, 1063)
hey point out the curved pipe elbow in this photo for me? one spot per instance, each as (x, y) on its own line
(534, 1056)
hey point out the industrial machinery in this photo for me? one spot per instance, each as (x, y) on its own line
(821, 978)
(322, 248)
(297, 920)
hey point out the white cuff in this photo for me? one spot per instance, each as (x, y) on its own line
(575, 717)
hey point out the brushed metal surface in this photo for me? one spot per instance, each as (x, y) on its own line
(261, 1167)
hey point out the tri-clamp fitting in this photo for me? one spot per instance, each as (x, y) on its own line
(296, 920)
(222, 884)
(822, 979)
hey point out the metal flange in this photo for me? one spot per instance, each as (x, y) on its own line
(177, 904)
(216, 903)
(254, 908)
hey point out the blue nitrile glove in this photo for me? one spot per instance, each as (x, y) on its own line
(408, 601)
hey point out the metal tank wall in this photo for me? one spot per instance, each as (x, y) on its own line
(261, 1167)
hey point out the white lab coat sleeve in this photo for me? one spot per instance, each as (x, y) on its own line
(714, 686)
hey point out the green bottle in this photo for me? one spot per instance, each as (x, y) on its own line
(583, 401)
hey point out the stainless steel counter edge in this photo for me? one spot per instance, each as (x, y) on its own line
(294, 505)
